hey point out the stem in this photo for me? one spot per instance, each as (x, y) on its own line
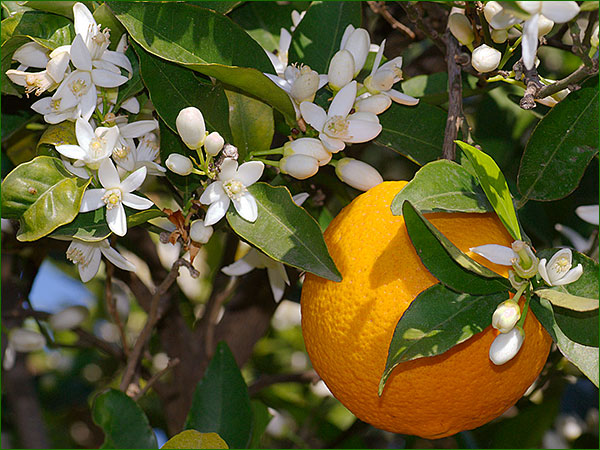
(267, 161)
(455, 113)
(333, 163)
(579, 75)
(273, 151)
(509, 51)
(525, 306)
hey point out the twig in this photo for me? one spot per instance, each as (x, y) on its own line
(453, 122)
(172, 363)
(212, 313)
(484, 24)
(579, 75)
(154, 316)
(532, 88)
(381, 9)
(309, 376)
(415, 15)
(578, 47)
(111, 307)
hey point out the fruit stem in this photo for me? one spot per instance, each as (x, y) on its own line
(525, 306)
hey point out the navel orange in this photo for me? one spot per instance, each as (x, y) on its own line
(348, 326)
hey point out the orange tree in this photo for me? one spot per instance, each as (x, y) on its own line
(175, 150)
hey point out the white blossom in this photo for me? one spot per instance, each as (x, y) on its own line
(506, 346)
(460, 27)
(200, 232)
(589, 213)
(191, 127)
(357, 174)
(485, 58)
(558, 271)
(68, 318)
(310, 147)
(506, 316)
(358, 43)
(144, 155)
(299, 166)
(87, 256)
(179, 164)
(280, 60)
(213, 143)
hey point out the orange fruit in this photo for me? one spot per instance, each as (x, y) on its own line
(348, 326)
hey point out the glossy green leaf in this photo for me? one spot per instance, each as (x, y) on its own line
(59, 134)
(223, 7)
(447, 262)
(494, 185)
(251, 123)
(221, 403)
(170, 142)
(416, 132)
(206, 42)
(442, 186)
(173, 88)
(437, 320)
(588, 6)
(561, 147)
(568, 301)
(285, 232)
(104, 16)
(60, 7)
(584, 357)
(262, 417)
(43, 195)
(124, 423)
(134, 85)
(317, 38)
(91, 226)
(192, 439)
(433, 88)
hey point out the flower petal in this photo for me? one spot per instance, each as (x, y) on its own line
(57, 66)
(543, 272)
(498, 254)
(250, 172)
(71, 151)
(31, 54)
(80, 55)
(300, 198)
(108, 175)
(84, 133)
(503, 20)
(246, 207)
(213, 193)
(43, 105)
(89, 270)
(530, 41)
(331, 144)
(83, 19)
(135, 201)
(285, 39)
(560, 12)
(92, 200)
(118, 59)
(138, 129)
(323, 79)
(571, 276)
(402, 98)
(314, 115)
(117, 220)
(343, 101)
(216, 211)
(589, 213)
(378, 57)
(134, 181)
(117, 259)
(228, 169)
(107, 78)
(88, 103)
(277, 283)
(238, 268)
(362, 130)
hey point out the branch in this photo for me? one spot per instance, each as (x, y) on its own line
(309, 376)
(455, 114)
(172, 363)
(576, 77)
(415, 15)
(111, 307)
(213, 307)
(381, 9)
(532, 88)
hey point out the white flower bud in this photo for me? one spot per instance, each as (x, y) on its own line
(23, 340)
(299, 166)
(485, 58)
(506, 316)
(594, 37)
(545, 26)
(491, 9)
(357, 174)
(341, 69)
(375, 104)
(382, 80)
(499, 36)
(506, 346)
(68, 318)
(460, 27)
(213, 143)
(306, 85)
(358, 43)
(199, 232)
(181, 165)
(310, 147)
(191, 127)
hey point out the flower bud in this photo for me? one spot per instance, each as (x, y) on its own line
(23, 340)
(199, 232)
(357, 174)
(375, 104)
(306, 85)
(341, 69)
(308, 146)
(213, 143)
(499, 36)
(491, 9)
(545, 26)
(594, 37)
(299, 166)
(191, 127)
(506, 316)
(506, 346)
(460, 27)
(181, 165)
(68, 318)
(358, 43)
(485, 58)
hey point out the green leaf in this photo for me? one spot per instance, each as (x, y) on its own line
(262, 417)
(173, 88)
(221, 403)
(437, 320)
(494, 185)
(251, 123)
(222, 7)
(134, 85)
(416, 132)
(124, 423)
(568, 301)
(433, 88)
(561, 147)
(189, 439)
(285, 232)
(91, 226)
(59, 134)
(104, 16)
(317, 38)
(442, 186)
(206, 42)
(60, 8)
(170, 142)
(583, 357)
(447, 262)
(43, 195)
(588, 6)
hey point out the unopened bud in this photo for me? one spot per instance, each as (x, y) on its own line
(491, 9)
(506, 316)
(499, 36)
(545, 26)
(375, 104)
(341, 69)
(68, 318)
(460, 27)
(213, 143)
(485, 58)
(357, 174)
(191, 127)
(506, 346)
(23, 340)
(181, 165)
(306, 85)
(310, 147)
(299, 166)
(358, 43)
(199, 232)
(594, 38)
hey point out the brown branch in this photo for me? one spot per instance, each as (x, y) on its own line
(415, 15)
(157, 376)
(381, 9)
(455, 114)
(112, 309)
(212, 310)
(576, 77)
(309, 376)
